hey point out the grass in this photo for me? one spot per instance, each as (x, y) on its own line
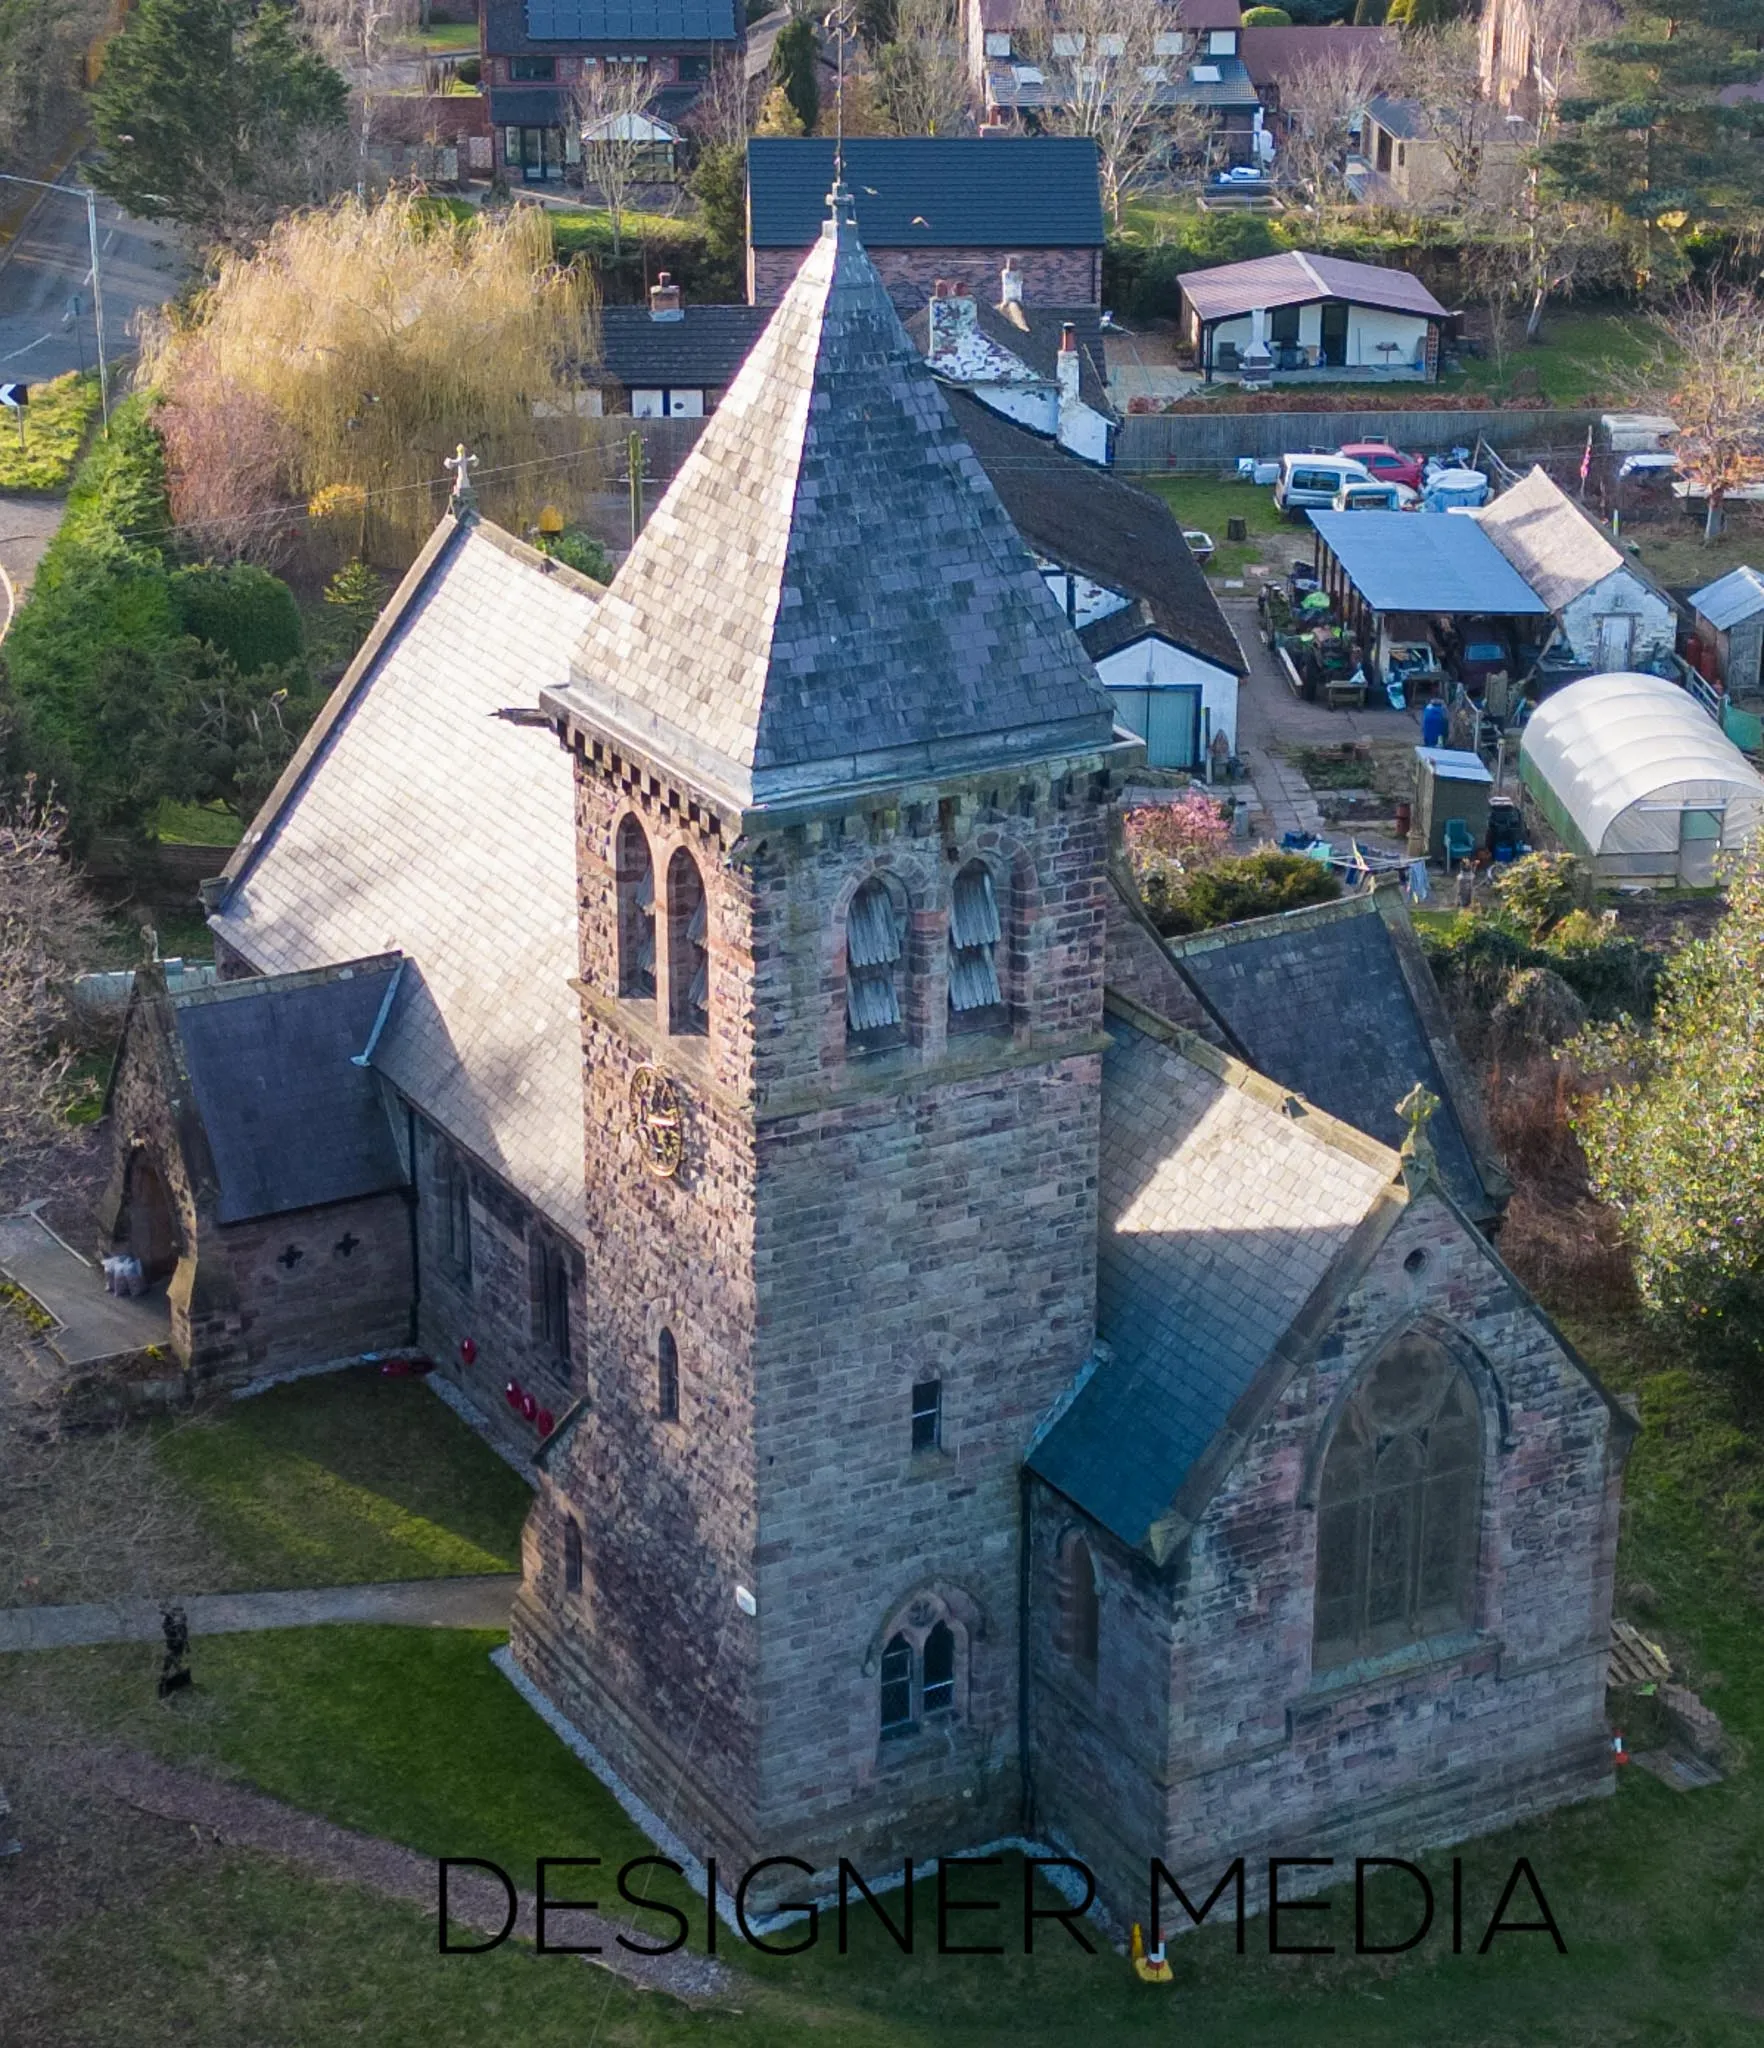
(56, 422)
(346, 1479)
(1208, 502)
(196, 824)
(1674, 550)
(1585, 358)
(446, 39)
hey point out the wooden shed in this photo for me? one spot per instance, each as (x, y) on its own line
(1730, 619)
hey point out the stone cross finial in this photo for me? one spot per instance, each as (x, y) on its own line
(1416, 1110)
(465, 499)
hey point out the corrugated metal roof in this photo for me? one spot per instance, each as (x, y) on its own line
(929, 192)
(1426, 562)
(1729, 599)
(1294, 278)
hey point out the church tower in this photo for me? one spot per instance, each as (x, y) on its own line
(842, 776)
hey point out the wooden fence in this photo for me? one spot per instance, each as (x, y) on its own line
(1159, 442)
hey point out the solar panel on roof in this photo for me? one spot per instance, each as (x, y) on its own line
(629, 21)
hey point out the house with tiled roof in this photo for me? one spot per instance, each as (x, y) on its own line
(1302, 318)
(966, 1402)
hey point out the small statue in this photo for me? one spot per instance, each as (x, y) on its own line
(1416, 1110)
(174, 1668)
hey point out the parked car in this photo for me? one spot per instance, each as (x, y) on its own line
(1475, 647)
(1309, 483)
(1373, 497)
(1389, 465)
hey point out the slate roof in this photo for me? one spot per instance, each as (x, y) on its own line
(1223, 1221)
(1549, 540)
(415, 817)
(290, 1120)
(512, 27)
(1032, 334)
(1406, 119)
(704, 349)
(1729, 599)
(1295, 279)
(1337, 1003)
(930, 192)
(1092, 522)
(830, 591)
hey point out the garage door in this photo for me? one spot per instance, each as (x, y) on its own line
(1168, 721)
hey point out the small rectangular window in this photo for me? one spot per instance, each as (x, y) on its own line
(927, 1415)
(572, 1557)
(532, 70)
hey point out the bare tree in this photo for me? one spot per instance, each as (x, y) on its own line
(1442, 73)
(358, 36)
(1106, 64)
(921, 83)
(610, 105)
(1321, 104)
(722, 114)
(48, 932)
(1709, 375)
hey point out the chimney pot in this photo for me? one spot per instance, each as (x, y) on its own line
(1068, 339)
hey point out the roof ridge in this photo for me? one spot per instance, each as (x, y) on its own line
(1311, 271)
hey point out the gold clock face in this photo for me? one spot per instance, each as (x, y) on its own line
(658, 1121)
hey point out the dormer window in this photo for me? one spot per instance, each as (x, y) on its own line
(975, 998)
(875, 954)
(636, 886)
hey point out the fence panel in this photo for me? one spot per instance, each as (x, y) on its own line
(1154, 442)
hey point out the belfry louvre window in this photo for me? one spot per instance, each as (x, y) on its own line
(689, 951)
(973, 944)
(875, 944)
(1397, 1510)
(636, 888)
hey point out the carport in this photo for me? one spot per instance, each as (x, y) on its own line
(1439, 564)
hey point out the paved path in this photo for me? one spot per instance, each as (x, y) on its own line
(432, 1603)
(92, 1323)
(239, 1817)
(27, 525)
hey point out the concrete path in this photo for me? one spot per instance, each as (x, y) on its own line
(91, 1322)
(27, 525)
(424, 1603)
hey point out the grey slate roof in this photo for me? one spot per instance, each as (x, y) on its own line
(701, 350)
(1729, 599)
(1221, 1219)
(830, 592)
(417, 818)
(1093, 522)
(930, 192)
(290, 1120)
(1336, 1003)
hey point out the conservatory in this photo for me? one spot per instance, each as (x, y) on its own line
(1635, 776)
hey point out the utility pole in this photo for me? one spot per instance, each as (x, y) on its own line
(634, 458)
(86, 193)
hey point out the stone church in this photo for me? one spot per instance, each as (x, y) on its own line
(774, 1115)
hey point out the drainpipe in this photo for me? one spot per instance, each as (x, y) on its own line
(1025, 1768)
(410, 1203)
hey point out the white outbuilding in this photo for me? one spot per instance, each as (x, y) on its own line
(1636, 777)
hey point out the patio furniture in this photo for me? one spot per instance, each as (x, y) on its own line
(1460, 843)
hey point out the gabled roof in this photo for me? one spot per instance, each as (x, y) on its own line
(1337, 1002)
(1414, 562)
(291, 1120)
(1406, 119)
(702, 349)
(512, 26)
(1295, 279)
(1277, 56)
(1549, 540)
(1032, 334)
(417, 816)
(1093, 523)
(1729, 599)
(930, 192)
(830, 592)
(1233, 1220)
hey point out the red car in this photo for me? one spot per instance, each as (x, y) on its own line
(1389, 465)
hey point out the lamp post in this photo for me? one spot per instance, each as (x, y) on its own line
(86, 193)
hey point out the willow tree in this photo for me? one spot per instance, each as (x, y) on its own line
(372, 339)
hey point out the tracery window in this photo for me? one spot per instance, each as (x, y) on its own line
(1397, 1507)
(635, 873)
(921, 1673)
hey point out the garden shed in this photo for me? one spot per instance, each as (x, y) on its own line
(1635, 776)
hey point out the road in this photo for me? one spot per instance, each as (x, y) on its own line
(49, 265)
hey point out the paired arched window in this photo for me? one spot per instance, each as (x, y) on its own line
(667, 1377)
(921, 1670)
(875, 962)
(635, 876)
(1397, 1507)
(975, 996)
(1078, 1623)
(688, 947)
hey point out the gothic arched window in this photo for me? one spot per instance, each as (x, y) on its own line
(897, 1686)
(635, 876)
(875, 961)
(667, 1377)
(688, 952)
(1397, 1508)
(922, 1669)
(975, 998)
(1079, 1624)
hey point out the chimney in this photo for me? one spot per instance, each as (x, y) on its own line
(953, 318)
(1010, 284)
(1068, 365)
(664, 299)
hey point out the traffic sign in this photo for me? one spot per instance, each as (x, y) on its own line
(17, 396)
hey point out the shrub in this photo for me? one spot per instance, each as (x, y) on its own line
(1537, 892)
(579, 551)
(244, 612)
(469, 71)
(1266, 17)
(1144, 280)
(1229, 891)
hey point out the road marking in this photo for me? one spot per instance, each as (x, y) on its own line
(29, 345)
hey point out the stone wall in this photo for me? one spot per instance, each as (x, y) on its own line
(1051, 277)
(318, 1284)
(1395, 1754)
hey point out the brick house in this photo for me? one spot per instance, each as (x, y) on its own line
(973, 1382)
(535, 53)
(932, 208)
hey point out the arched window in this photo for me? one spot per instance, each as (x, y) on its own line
(688, 954)
(937, 1695)
(635, 873)
(897, 1686)
(975, 998)
(1079, 1626)
(1397, 1507)
(922, 1675)
(875, 959)
(572, 1555)
(667, 1377)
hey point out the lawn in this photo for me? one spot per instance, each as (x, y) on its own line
(196, 824)
(1585, 358)
(344, 1479)
(1674, 550)
(56, 421)
(446, 39)
(1208, 502)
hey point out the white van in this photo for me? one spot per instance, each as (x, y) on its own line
(1309, 483)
